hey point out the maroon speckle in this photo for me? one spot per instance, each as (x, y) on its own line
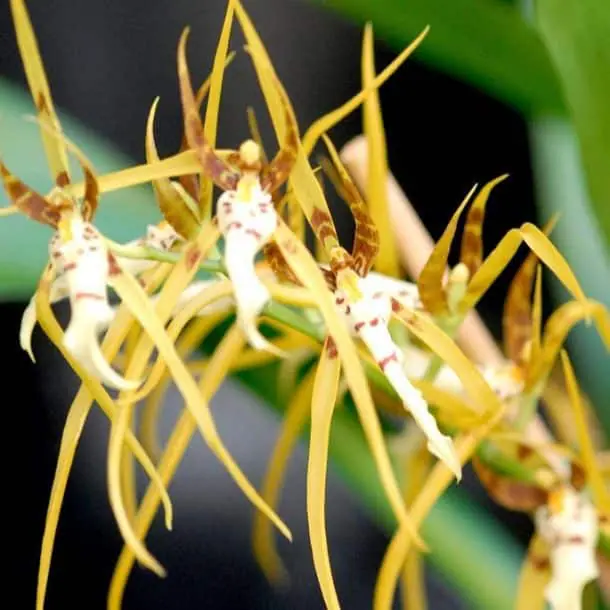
(192, 257)
(88, 295)
(254, 233)
(358, 326)
(374, 322)
(385, 361)
(339, 300)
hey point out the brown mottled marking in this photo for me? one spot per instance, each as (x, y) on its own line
(278, 170)
(578, 476)
(385, 361)
(523, 451)
(113, 265)
(366, 235)
(539, 562)
(331, 347)
(62, 179)
(28, 201)
(330, 278)
(471, 253)
(517, 316)
(213, 166)
(193, 257)
(275, 259)
(90, 200)
(514, 495)
(88, 295)
(324, 229)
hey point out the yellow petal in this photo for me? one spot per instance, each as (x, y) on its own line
(171, 202)
(430, 280)
(556, 330)
(303, 181)
(293, 422)
(491, 268)
(413, 585)
(535, 346)
(376, 191)
(366, 234)
(190, 339)
(130, 291)
(41, 94)
(436, 483)
(517, 317)
(322, 409)
(328, 121)
(552, 258)
(601, 495)
(210, 123)
(440, 343)
(534, 576)
(177, 444)
(185, 315)
(309, 274)
(471, 253)
(53, 330)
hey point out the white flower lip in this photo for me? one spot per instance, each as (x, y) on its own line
(82, 260)
(368, 319)
(247, 226)
(571, 531)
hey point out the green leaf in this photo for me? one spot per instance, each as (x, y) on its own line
(483, 42)
(23, 255)
(577, 35)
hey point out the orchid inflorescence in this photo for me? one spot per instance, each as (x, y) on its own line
(344, 321)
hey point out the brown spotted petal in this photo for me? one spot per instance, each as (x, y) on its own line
(512, 494)
(173, 199)
(471, 253)
(214, 167)
(83, 260)
(366, 236)
(28, 201)
(367, 317)
(430, 280)
(569, 525)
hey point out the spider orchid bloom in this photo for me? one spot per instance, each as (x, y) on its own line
(245, 214)
(569, 526)
(79, 257)
(367, 311)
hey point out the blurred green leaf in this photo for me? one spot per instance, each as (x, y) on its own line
(23, 255)
(483, 42)
(577, 34)
(561, 187)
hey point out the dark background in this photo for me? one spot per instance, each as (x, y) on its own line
(106, 61)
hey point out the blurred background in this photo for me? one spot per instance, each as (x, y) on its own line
(106, 61)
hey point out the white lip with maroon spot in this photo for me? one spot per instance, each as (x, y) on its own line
(84, 262)
(572, 534)
(246, 227)
(368, 318)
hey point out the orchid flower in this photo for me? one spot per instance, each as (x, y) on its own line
(569, 526)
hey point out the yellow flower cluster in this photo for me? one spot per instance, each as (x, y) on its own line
(337, 322)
